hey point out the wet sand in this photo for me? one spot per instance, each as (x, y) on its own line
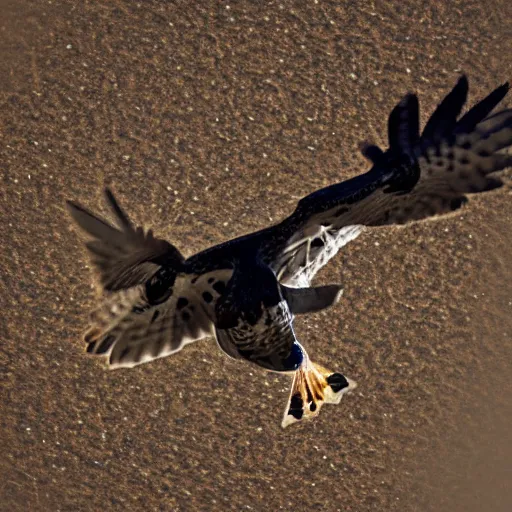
(210, 122)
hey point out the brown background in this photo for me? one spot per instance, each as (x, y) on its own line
(209, 122)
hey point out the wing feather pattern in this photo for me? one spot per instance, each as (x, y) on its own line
(418, 176)
(153, 306)
(124, 257)
(129, 330)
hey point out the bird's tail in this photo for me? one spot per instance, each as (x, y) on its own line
(314, 385)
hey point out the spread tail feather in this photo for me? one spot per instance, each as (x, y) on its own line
(314, 385)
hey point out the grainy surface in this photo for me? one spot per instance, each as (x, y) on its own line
(210, 120)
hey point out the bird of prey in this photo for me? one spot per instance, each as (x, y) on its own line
(246, 292)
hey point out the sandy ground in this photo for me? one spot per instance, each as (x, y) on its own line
(209, 120)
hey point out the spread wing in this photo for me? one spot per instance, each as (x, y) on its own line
(129, 329)
(418, 176)
(124, 256)
(152, 306)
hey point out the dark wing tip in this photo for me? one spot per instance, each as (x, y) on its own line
(481, 110)
(407, 105)
(109, 195)
(500, 92)
(444, 119)
(371, 152)
(403, 125)
(76, 211)
(71, 205)
(462, 82)
(503, 89)
(90, 223)
(410, 96)
(118, 211)
(460, 92)
(460, 89)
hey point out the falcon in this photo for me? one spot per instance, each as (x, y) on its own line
(247, 291)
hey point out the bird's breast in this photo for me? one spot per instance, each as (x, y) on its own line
(268, 341)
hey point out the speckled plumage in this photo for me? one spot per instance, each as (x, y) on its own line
(245, 292)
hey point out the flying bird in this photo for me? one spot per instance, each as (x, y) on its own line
(246, 292)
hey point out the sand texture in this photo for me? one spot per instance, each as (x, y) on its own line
(209, 120)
